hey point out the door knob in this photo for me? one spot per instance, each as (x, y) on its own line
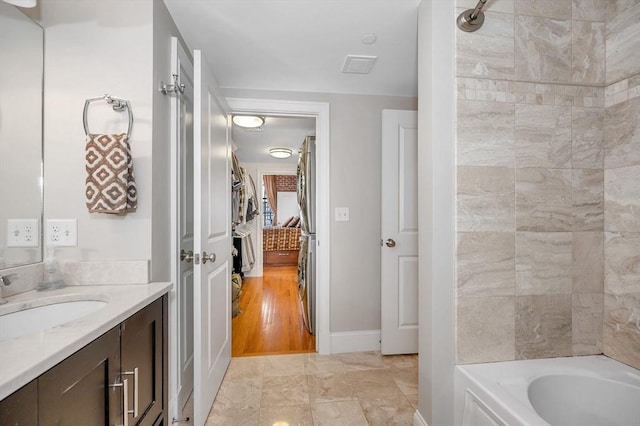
(186, 256)
(208, 257)
(390, 242)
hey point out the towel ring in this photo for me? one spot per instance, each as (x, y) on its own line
(117, 104)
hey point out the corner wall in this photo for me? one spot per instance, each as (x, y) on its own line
(93, 48)
(621, 339)
(120, 48)
(547, 182)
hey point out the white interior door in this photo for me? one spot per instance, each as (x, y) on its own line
(399, 268)
(184, 116)
(212, 238)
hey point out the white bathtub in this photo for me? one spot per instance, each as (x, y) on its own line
(578, 391)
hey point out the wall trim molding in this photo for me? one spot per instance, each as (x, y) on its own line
(355, 341)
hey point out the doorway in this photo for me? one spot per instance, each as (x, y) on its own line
(267, 313)
(319, 110)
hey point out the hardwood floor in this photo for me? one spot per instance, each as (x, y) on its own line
(271, 322)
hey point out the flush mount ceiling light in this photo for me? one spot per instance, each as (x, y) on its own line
(280, 152)
(248, 121)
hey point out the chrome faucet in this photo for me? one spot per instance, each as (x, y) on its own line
(5, 280)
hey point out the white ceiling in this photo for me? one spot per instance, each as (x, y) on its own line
(301, 45)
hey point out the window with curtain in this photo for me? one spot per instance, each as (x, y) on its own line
(271, 194)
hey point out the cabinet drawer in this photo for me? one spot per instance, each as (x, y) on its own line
(281, 258)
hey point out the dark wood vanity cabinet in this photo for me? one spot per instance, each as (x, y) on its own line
(78, 390)
(88, 388)
(141, 343)
(21, 407)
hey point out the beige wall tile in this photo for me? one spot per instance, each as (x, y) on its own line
(543, 326)
(622, 199)
(588, 200)
(586, 319)
(544, 199)
(623, 44)
(589, 10)
(485, 199)
(485, 329)
(485, 134)
(616, 7)
(559, 9)
(622, 262)
(588, 52)
(487, 53)
(621, 338)
(588, 262)
(622, 134)
(543, 136)
(505, 6)
(587, 138)
(544, 263)
(486, 264)
(542, 49)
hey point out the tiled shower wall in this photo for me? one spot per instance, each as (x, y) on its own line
(536, 141)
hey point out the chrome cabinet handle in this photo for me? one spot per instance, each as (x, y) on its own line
(134, 373)
(208, 257)
(390, 242)
(186, 256)
(125, 400)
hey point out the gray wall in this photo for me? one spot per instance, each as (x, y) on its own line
(122, 49)
(355, 183)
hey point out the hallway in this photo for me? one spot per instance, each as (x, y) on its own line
(271, 322)
(355, 389)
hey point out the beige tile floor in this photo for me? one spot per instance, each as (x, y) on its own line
(364, 388)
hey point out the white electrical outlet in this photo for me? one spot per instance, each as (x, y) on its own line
(23, 233)
(62, 233)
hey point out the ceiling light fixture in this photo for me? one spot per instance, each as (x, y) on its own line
(248, 121)
(280, 152)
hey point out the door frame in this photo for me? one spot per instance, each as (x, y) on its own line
(321, 112)
(174, 385)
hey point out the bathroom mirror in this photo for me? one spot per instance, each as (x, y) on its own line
(21, 180)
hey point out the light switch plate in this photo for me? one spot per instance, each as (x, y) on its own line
(342, 214)
(62, 233)
(23, 233)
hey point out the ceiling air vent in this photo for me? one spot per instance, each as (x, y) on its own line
(355, 64)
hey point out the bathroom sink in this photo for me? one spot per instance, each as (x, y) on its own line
(39, 318)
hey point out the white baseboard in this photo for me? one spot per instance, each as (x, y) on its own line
(355, 341)
(418, 420)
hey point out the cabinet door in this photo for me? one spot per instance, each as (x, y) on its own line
(21, 407)
(142, 349)
(77, 391)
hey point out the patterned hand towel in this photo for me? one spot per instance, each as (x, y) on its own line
(110, 185)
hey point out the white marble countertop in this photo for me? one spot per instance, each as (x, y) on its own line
(24, 358)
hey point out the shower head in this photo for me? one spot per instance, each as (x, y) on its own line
(472, 19)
